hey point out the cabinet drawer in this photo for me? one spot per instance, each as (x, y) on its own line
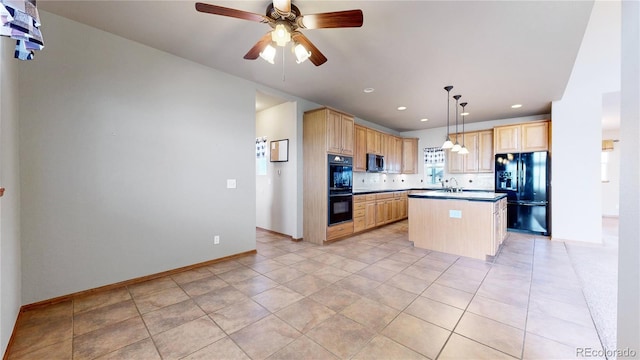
(359, 198)
(358, 206)
(384, 196)
(400, 194)
(370, 197)
(339, 230)
(358, 212)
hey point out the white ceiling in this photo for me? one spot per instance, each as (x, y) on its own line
(494, 53)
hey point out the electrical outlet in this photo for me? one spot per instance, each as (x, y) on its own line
(216, 240)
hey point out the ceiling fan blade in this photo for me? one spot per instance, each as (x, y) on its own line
(255, 51)
(316, 56)
(234, 13)
(338, 19)
(283, 6)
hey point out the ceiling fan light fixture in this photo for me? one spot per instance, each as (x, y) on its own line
(301, 52)
(268, 54)
(281, 35)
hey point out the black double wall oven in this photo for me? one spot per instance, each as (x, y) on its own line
(340, 192)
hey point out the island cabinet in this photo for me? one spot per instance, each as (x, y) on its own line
(409, 155)
(525, 137)
(360, 149)
(480, 156)
(499, 223)
(464, 225)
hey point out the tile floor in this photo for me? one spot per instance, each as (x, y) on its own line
(372, 296)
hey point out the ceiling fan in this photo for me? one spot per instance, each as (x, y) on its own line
(286, 20)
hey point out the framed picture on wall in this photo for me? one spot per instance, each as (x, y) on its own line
(279, 150)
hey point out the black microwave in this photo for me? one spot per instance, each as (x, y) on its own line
(375, 163)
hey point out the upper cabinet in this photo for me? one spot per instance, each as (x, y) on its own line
(360, 151)
(374, 142)
(480, 156)
(339, 132)
(524, 137)
(409, 155)
(535, 136)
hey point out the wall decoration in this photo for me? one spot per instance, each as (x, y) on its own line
(261, 155)
(280, 150)
(19, 19)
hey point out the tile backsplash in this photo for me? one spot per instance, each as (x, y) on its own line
(380, 181)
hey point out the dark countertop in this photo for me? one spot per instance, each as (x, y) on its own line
(463, 195)
(438, 188)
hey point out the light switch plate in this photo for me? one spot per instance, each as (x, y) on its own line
(231, 183)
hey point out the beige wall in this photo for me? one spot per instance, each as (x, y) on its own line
(125, 154)
(10, 258)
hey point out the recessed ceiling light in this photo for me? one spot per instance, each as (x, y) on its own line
(464, 114)
(369, 90)
(402, 108)
(425, 119)
(516, 106)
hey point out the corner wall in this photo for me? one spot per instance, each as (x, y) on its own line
(125, 161)
(10, 268)
(577, 129)
(628, 244)
(275, 192)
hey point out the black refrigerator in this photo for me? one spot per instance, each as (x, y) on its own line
(525, 178)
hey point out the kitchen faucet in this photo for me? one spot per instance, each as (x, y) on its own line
(456, 188)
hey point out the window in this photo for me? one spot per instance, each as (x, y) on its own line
(433, 165)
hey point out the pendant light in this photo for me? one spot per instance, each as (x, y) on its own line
(447, 143)
(463, 150)
(456, 147)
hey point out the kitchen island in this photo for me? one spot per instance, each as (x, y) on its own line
(468, 223)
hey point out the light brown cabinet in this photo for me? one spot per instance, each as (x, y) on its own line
(378, 209)
(384, 208)
(364, 212)
(409, 155)
(392, 151)
(396, 165)
(374, 142)
(485, 151)
(360, 150)
(535, 136)
(324, 131)
(339, 133)
(525, 137)
(398, 156)
(480, 156)
(455, 161)
(370, 214)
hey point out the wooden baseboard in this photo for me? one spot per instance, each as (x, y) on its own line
(5, 356)
(120, 284)
(280, 234)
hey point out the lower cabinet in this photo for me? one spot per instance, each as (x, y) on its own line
(373, 210)
(340, 230)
